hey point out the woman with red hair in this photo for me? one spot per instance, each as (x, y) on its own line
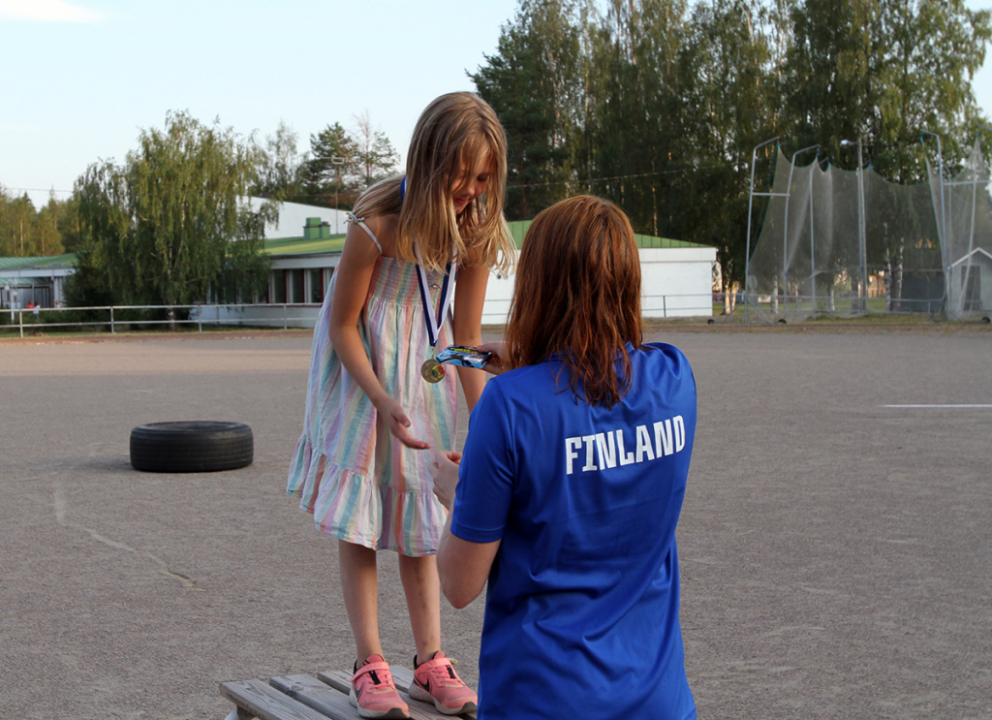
(570, 488)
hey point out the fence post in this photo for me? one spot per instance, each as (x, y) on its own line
(199, 320)
(664, 306)
(285, 320)
(20, 321)
(113, 331)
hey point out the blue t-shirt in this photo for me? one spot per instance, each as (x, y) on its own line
(582, 606)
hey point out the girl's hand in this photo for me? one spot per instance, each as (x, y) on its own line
(444, 470)
(397, 422)
(495, 364)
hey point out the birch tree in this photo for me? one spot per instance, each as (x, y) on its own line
(159, 229)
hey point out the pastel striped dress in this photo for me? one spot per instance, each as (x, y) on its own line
(361, 484)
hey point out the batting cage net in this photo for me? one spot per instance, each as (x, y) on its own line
(847, 243)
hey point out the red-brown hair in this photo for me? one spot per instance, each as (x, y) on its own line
(578, 295)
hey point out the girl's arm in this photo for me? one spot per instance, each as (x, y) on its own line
(470, 296)
(354, 273)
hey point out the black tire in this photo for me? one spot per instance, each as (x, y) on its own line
(188, 447)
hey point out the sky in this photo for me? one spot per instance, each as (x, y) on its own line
(81, 79)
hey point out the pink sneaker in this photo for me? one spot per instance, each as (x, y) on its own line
(436, 681)
(374, 693)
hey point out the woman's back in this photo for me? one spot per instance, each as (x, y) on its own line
(583, 594)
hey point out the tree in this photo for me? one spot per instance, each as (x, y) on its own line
(533, 84)
(376, 156)
(657, 104)
(17, 219)
(282, 171)
(161, 228)
(729, 79)
(47, 238)
(332, 172)
(68, 225)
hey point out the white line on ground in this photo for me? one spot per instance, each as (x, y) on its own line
(937, 406)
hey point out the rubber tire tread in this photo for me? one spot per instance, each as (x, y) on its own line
(191, 446)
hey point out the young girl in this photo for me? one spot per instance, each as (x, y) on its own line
(361, 465)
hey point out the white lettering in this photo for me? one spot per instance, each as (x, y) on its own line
(572, 446)
(590, 441)
(626, 458)
(663, 438)
(606, 449)
(644, 444)
(607, 452)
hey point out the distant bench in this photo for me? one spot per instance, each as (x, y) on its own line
(302, 697)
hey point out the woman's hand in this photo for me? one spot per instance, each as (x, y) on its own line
(444, 470)
(495, 364)
(397, 422)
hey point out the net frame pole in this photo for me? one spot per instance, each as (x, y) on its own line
(862, 239)
(785, 233)
(942, 225)
(750, 209)
(812, 244)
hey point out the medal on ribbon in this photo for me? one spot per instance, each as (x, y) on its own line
(432, 371)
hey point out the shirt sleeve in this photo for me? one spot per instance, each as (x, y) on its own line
(485, 477)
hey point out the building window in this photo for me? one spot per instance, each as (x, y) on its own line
(316, 278)
(279, 286)
(294, 289)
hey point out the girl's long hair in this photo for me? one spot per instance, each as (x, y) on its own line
(451, 135)
(578, 296)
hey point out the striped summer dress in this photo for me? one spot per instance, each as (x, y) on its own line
(361, 483)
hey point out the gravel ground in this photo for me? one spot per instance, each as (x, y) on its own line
(835, 552)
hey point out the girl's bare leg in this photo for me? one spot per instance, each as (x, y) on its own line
(423, 598)
(360, 585)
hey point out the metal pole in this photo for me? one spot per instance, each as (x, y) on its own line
(112, 330)
(812, 246)
(750, 207)
(788, 201)
(863, 239)
(942, 225)
(20, 321)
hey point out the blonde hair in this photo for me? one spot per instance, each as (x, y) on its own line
(453, 132)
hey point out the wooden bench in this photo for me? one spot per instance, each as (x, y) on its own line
(302, 697)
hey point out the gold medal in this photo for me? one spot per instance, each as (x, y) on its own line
(432, 372)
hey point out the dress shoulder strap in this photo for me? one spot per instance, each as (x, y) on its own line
(361, 223)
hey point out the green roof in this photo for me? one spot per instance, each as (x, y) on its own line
(335, 243)
(18, 263)
(304, 245)
(518, 229)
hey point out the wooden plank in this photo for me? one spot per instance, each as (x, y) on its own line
(341, 680)
(403, 677)
(337, 679)
(267, 703)
(313, 693)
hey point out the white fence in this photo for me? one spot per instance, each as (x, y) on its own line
(120, 317)
(285, 315)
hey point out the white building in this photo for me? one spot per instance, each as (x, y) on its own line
(677, 276)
